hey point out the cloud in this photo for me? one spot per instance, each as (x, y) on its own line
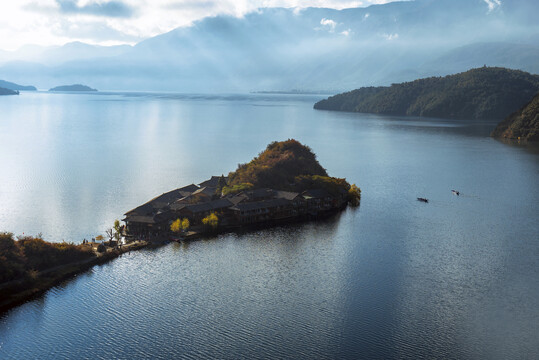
(113, 9)
(55, 22)
(346, 32)
(328, 23)
(493, 4)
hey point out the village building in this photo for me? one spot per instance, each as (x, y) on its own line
(245, 208)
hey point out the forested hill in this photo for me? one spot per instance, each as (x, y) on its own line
(288, 165)
(523, 124)
(4, 91)
(482, 93)
(277, 166)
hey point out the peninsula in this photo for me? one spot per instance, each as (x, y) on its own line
(522, 124)
(75, 87)
(486, 93)
(4, 91)
(29, 265)
(284, 183)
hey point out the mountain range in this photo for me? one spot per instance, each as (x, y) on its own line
(312, 49)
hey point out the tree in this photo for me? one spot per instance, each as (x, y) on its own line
(211, 221)
(179, 225)
(221, 183)
(354, 195)
(176, 226)
(185, 224)
(110, 235)
(117, 231)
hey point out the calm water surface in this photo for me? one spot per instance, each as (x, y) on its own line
(455, 278)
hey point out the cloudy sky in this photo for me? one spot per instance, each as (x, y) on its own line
(111, 22)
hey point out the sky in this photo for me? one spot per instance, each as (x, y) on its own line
(114, 22)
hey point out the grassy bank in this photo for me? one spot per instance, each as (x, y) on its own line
(29, 266)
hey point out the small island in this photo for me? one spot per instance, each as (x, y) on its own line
(521, 125)
(4, 91)
(285, 183)
(75, 87)
(487, 93)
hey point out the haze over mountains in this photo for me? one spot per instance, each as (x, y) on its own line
(311, 49)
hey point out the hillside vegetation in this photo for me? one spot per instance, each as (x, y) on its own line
(523, 124)
(20, 258)
(286, 165)
(4, 91)
(483, 93)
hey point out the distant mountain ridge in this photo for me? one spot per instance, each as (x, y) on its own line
(484, 93)
(311, 49)
(12, 86)
(521, 125)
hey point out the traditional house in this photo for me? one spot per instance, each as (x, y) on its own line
(153, 216)
(262, 211)
(196, 212)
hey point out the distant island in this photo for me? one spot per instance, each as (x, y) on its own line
(486, 93)
(4, 91)
(284, 183)
(12, 86)
(521, 125)
(75, 87)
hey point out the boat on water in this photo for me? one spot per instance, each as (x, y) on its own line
(423, 199)
(455, 192)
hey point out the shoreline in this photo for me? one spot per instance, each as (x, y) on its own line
(17, 292)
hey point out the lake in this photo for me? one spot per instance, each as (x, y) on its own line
(395, 278)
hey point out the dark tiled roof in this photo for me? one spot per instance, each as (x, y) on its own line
(265, 204)
(206, 190)
(189, 188)
(140, 219)
(286, 195)
(236, 199)
(213, 182)
(162, 200)
(209, 206)
(258, 194)
(177, 206)
(316, 193)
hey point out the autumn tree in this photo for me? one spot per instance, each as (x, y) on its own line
(176, 226)
(117, 231)
(211, 221)
(354, 195)
(179, 225)
(185, 224)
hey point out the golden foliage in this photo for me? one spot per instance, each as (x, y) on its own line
(211, 221)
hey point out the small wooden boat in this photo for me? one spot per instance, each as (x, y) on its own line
(423, 200)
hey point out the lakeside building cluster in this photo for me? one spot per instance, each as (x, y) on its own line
(256, 206)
